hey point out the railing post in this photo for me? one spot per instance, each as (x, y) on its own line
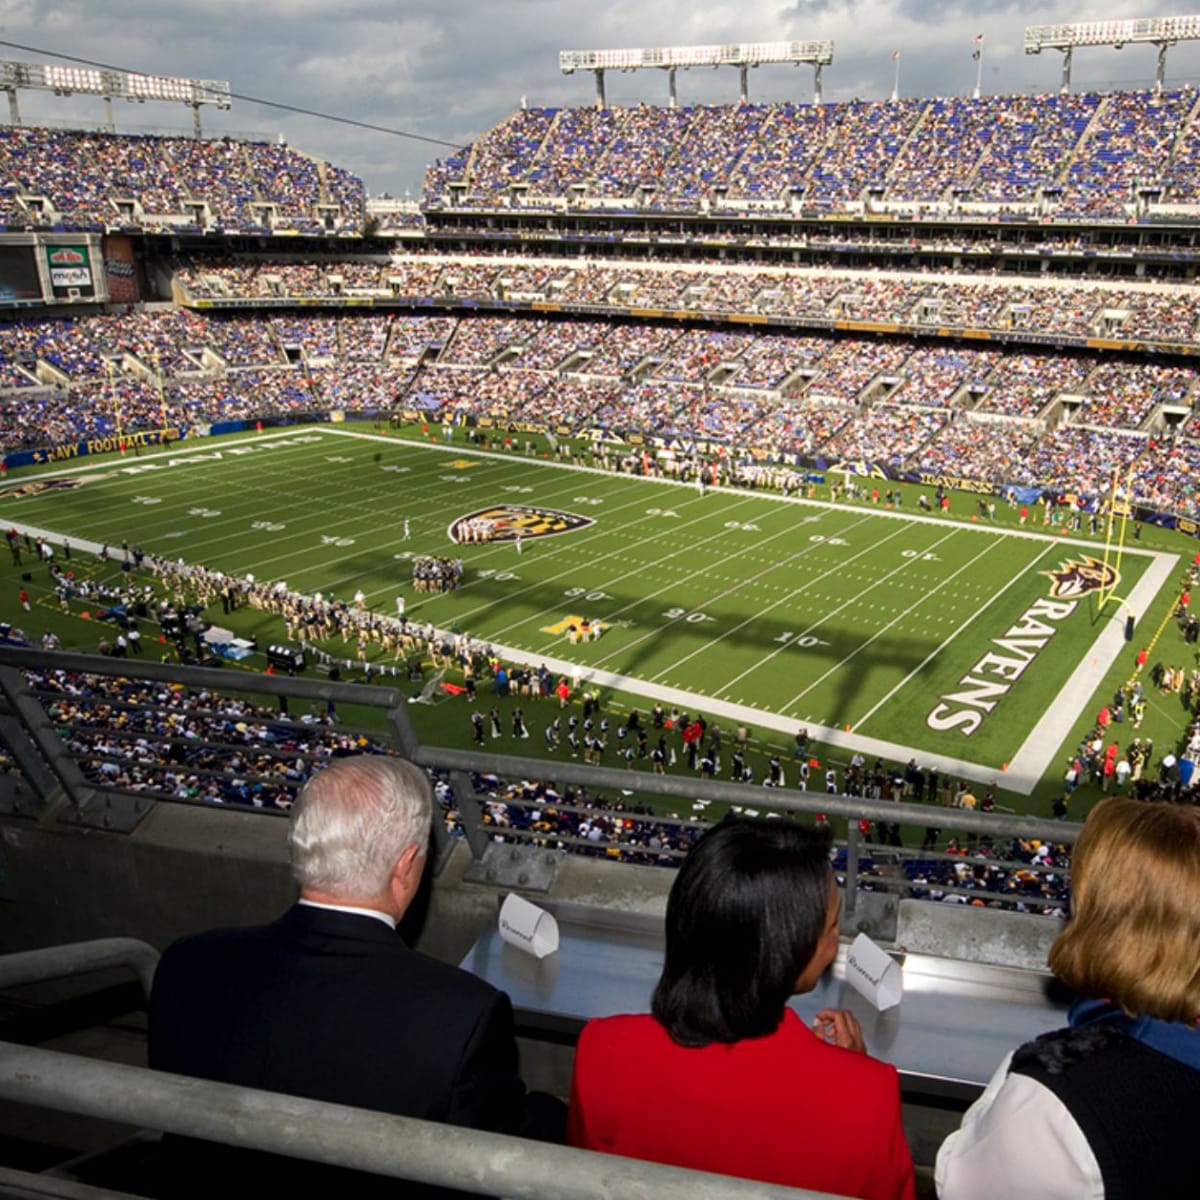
(470, 807)
(851, 895)
(53, 750)
(403, 733)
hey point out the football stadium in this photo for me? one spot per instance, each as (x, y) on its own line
(814, 469)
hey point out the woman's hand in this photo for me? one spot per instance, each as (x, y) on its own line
(840, 1028)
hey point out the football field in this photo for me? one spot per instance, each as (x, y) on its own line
(887, 631)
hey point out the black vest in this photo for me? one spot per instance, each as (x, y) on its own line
(1139, 1109)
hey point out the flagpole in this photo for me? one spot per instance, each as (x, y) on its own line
(896, 77)
(112, 399)
(978, 67)
(162, 393)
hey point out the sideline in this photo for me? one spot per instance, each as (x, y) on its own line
(1036, 754)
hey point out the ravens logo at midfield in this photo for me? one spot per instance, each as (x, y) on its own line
(507, 522)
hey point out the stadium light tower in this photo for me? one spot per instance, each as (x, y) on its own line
(1162, 32)
(93, 81)
(742, 55)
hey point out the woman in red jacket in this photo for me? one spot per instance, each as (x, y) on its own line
(725, 1077)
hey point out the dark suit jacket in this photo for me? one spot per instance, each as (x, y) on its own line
(334, 1006)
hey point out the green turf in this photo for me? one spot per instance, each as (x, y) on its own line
(843, 615)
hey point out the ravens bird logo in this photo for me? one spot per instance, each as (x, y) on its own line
(1077, 578)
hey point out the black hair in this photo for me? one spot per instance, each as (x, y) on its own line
(744, 917)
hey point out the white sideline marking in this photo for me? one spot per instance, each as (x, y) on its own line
(1033, 758)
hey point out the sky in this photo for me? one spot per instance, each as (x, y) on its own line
(449, 70)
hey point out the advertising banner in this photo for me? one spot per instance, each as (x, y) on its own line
(120, 270)
(70, 272)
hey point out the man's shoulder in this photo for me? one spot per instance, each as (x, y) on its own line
(448, 978)
(218, 941)
(358, 944)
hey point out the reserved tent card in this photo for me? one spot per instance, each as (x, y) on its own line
(873, 973)
(528, 927)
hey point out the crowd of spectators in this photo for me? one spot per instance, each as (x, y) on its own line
(1041, 887)
(91, 180)
(808, 389)
(1049, 418)
(1084, 153)
(207, 747)
(187, 744)
(1160, 313)
(533, 811)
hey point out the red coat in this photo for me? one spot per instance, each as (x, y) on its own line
(788, 1108)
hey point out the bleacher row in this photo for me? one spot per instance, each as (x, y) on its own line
(952, 411)
(96, 181)
(1158, 314)
(1087, 153)
(1061, 420)
(1086, 156)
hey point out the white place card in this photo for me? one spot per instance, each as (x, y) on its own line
(528, 927)
(873, 973)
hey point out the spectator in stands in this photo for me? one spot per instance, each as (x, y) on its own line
(328, 1002)
(724, 1076)
(1107, 1106)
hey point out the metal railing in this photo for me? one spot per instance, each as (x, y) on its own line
(80, 958)
(353, 1138)
(40, 752)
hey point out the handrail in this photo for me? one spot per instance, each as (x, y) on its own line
(353, 1138)
(516, 766)
(25, 1185)
(80, 958)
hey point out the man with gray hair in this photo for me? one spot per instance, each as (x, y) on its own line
(328, 1002)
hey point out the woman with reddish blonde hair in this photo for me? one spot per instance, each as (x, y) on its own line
(1105, 1108)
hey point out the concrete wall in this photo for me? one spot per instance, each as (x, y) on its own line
(186, 868)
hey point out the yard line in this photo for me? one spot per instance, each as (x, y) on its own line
(838, 569)
(676, 583)
(938, 649)
(855, 599)
(884, 628)
(573, 570)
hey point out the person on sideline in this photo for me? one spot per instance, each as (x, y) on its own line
(724, 1076)
(1107, 1106)
(328, 1002)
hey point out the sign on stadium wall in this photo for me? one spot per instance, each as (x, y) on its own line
(70, 271)
(120, 269)
(104, 445)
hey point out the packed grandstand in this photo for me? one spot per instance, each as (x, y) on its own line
(963, 365)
